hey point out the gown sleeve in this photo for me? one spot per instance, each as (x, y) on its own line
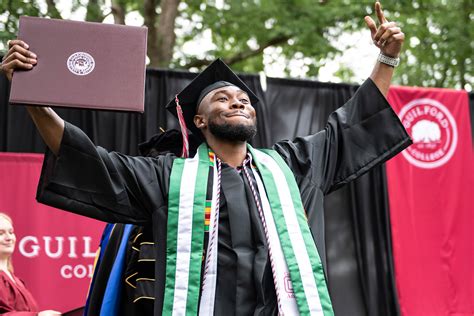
(359, 135)
(108, 186)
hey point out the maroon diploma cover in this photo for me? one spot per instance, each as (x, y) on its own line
(82, 65)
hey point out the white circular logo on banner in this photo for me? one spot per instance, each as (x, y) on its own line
(433, 130)
(80, 63)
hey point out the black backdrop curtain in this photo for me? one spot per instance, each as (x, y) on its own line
(357, 227)
(115, 131)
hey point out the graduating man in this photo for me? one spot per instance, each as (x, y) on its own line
(236, 230)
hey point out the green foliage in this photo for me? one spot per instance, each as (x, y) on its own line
(300, 28)
(439, 42)
(12, 10)
(438, 50)
(345, 74)
(94, 11)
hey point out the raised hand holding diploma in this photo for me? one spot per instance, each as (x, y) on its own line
(49, 124)
(17, 57)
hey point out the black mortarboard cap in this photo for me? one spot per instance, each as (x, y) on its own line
(204, 83)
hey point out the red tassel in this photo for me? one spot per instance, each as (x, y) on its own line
(184, 130)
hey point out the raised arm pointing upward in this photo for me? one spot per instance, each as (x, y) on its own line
(389, 38)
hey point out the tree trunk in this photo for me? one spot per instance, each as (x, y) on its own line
(149, 16)
(166, 37)
(118, 11)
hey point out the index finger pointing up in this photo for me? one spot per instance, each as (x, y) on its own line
(379, 12)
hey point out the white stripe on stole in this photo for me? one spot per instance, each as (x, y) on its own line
(288, 301)
(185, 224)
(206, 306)
(296, 237)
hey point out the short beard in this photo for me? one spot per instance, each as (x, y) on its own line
(233, 133)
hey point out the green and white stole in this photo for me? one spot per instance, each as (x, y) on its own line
(298, 273)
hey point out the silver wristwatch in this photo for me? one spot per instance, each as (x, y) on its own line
(394, 62)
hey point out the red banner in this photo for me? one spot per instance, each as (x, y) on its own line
(55, 250)
(432, 203)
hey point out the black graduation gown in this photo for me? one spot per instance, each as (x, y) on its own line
(112, 187)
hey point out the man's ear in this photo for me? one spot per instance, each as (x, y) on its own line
(199, 121)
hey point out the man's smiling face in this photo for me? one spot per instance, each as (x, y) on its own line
(228, 114)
